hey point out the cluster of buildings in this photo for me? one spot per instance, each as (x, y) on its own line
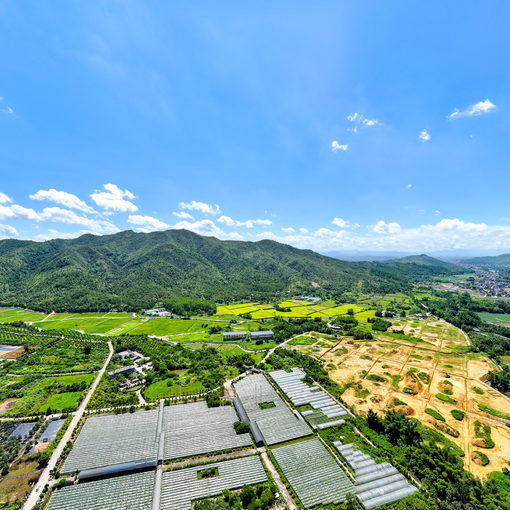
(247, 335)
(310, 299)
(140, 365)
(158, 312)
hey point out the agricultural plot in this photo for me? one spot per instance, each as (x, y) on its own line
(163, 327)
(184, 384)
(78, 323)
(30, 395)
(313, 473)
(428, 384)
(495, 318)
(437, 332)
(67, 355)
(183, 486)
(277, 423)
(114, 439)
(133, 491)
(193, 429)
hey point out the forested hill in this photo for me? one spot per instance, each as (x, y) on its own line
(498, 260)
(132, 270)
(415, 266)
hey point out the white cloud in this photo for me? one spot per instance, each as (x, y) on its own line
(230, 222)
(207, 228)
(18, 212)
(201, 207)
(62, 198)
(409, 186)
(183, 215)
(359, 120)
(424, 136)
(474, 110)
(336, 146)
(4, 199)
(55, 234)
(147, 223)
(6, 231)
(341, 223)
(303, 230)
(114, 199)
(4, 108)
(288, 230)
(381, 227)
(58, 215)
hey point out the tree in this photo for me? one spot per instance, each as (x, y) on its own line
(247, 495)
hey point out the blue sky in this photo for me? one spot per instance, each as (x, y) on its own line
(328, 125)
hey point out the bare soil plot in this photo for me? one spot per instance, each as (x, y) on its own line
(389, 375)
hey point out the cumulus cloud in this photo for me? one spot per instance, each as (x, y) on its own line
(201, 207)
(18, 212)
(360, 121)
(288, 230)
(424, 136)
(113, 199)
(62, 198)
(55, 234)
(381, 227)
(147, 223)
(4, 199)
(303, 230)
(183, 215)
(336, 146)
(6, 231)
(207, 228)
(409, 186)
(230, 222)
(474, 110)
(58, 215)
(341, 223)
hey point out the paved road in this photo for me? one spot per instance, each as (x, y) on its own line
(33, 499)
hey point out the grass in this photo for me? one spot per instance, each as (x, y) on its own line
(183, 385)
(50, 392)
(480, 458)
(457, 414)
(497, 318)
(493, 412)
(446, 398)
(61, 402)
(434, 414)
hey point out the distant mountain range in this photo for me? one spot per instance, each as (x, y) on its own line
(132, 270)
(498, 260)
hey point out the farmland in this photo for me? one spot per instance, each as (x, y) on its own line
(392, 373)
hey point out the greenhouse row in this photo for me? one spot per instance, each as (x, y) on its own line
(313, 473)
(326, 412)
(377, 484)
(193, 429)
(181, 487)
(276, 422)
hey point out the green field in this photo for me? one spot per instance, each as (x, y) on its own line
(183, 385)
(496, 318)
(37, 395)
(64, 356)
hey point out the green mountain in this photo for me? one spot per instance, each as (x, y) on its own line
(132, 270)
(498, 260)
(415, 266)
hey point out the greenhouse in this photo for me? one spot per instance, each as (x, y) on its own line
(264, 407)
(131, 491)
(326, 411)
(376, 484)
(181, 487)
(114, 439)
(313, 473)
(193, 429)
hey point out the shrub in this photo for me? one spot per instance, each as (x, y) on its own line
(457, 414)
(434, 414)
